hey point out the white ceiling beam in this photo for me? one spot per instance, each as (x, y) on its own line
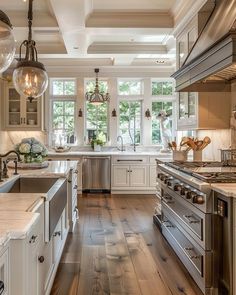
(117, 19)
(126, 48)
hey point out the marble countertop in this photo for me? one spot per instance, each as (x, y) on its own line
(109, 153)
(226, 189)
(17, 209)
(16, 225)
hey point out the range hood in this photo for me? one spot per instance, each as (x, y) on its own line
(211, 64)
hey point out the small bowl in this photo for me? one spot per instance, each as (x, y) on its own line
(31, 122)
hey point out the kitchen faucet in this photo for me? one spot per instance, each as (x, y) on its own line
(122, 149)
(3, 171)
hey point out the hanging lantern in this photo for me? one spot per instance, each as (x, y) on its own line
(7, 42)
(30, 77)
(97, 96)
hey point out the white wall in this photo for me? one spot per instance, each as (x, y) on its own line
(9, 139)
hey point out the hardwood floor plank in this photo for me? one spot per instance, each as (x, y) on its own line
(116, 250)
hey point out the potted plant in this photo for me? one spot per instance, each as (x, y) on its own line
(31, 150)
(97, 144)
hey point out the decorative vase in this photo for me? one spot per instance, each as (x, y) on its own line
(97, 148)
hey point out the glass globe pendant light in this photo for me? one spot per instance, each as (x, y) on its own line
(30, 77)
(7, 42)
(97, 97)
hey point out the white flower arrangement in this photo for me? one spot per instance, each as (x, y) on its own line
(32, 150)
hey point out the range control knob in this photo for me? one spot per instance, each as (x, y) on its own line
(177, 187)
(190, 194)
(182, 190)
(198, 199)
(159, 175)
(167, 179)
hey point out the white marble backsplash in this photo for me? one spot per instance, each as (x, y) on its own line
(220, 139)
(9, 138)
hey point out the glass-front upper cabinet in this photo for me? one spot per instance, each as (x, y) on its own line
(21, 114)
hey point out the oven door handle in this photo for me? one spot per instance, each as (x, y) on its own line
(167, 200)
(191, 219)
(194, 256)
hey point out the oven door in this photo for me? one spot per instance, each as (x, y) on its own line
(197, 261)
(193, 221)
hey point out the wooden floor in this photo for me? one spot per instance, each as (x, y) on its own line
(116, 249)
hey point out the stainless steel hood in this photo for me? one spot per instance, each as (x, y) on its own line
(211, 64)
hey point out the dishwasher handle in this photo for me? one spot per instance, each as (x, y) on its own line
(94, 158)
(130, 160)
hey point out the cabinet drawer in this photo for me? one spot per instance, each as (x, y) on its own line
(129, 160)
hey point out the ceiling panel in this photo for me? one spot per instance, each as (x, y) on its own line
(133, 4)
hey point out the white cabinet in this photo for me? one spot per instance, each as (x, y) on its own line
(203, 110)
(130, 174)
(20, 113)
(120, 176)
(4, 270)
(138, 176)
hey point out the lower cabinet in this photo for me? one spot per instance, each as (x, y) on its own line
(129, 176)
(33, 263)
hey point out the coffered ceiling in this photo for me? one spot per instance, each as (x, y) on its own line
(114, 33)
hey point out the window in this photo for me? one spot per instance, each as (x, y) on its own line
(96, 115)
(158, 106)
(63, 106)
(130, 87)
(63, 87)
(162, 88)
(130, 121)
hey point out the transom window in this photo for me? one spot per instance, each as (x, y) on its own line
(96, 114)
(130, 121)
(130, 87)
(63, 87)
(162, 88)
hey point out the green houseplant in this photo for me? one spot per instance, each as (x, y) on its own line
(97, 143)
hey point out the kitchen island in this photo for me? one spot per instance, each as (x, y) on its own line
(35, 217)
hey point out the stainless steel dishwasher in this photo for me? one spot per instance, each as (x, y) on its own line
(96, 174)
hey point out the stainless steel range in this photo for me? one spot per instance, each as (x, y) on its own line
(190, 217)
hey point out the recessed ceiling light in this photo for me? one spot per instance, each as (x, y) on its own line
(75, 47)
(131, 40)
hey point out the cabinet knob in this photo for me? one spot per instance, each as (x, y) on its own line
(41, 259)
(57, 233)
(33, 239)
(76, 186)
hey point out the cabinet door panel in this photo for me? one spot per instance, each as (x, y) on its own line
(120, 176)
(138, 176)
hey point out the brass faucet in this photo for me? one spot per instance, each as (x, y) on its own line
(4, 173)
